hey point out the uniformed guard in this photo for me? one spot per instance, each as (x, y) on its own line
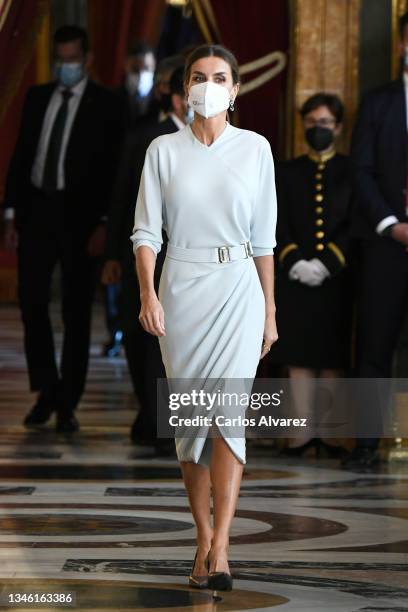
(314, 289)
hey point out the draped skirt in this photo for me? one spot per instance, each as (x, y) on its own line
(214, 316)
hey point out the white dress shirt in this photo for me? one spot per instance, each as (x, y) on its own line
(391, 219)
(54, 104)
(406, 94)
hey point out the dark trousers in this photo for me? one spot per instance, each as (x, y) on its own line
(49, 235)
(143, 356)
(145, 367)
(381, 308)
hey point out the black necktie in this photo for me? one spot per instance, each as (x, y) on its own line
(50, 176)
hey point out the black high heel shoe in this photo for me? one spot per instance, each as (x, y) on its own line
(198, 582)
(219, 581)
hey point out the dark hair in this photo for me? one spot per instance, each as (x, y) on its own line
(70, 33)
(403, 22)
(212, 51)
(177, 81)
(331, 101)
(139, 47)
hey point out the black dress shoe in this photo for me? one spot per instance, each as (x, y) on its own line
(48, 400)
(38, 415)
(362, 457)
(67, 424)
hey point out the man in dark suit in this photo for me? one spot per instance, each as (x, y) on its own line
(145, 90)
(146, 99)
(142, 349)
(379, 157)
(57, 194)
(136, 91)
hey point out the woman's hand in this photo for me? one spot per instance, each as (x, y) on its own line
(151, 315)
(270, 334)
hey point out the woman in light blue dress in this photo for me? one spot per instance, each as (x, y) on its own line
(211, 187)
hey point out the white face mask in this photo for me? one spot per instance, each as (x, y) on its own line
(208, 99)
(141, 83)
(145, 82)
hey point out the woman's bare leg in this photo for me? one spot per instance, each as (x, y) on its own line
(226, 474)
(197, 482)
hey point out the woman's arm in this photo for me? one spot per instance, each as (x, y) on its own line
(263, 239)
(147, 241)
(151, 314)
(265, 267)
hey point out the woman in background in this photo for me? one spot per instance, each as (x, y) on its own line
(314, 293)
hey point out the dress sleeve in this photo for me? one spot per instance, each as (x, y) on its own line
(263, 225)
(148, 223)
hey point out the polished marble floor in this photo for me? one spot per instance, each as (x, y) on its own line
(95, 516)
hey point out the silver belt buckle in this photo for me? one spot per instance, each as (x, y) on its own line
(223, 254)
(248, 249)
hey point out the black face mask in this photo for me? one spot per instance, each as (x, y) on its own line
(319, 138)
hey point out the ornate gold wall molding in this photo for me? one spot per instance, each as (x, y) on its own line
(324, 53)
(43, 50)
(23, 57)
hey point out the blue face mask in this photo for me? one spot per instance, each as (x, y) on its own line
(69, 74)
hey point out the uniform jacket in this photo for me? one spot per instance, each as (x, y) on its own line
(314, 209)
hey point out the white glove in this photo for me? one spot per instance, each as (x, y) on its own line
(305, 272)
(309, 272)
(320, 268)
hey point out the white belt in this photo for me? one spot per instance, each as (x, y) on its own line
(222, 254)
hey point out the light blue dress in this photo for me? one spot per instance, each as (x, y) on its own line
(209, 196)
